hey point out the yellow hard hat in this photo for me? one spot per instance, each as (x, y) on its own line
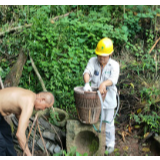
(104, 47)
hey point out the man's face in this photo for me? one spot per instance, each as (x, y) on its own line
(40, 103)
(103, 59)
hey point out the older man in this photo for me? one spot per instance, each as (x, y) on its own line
(103, 72)
(20, 102)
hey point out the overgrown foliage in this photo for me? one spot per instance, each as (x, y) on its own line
(62, 48)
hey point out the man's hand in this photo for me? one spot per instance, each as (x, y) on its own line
(87, 87)
(102, 88)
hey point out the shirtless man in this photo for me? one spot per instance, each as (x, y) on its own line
(20, 102)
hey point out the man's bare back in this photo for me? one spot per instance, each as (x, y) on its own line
(14, 100)
(21, 102)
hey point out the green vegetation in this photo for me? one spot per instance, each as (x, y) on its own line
(61, 49)
(93, 147)
(72, 152)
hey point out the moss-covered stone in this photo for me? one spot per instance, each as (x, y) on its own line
(85, 138)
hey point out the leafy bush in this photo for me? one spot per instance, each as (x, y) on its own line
(61, 50)
(151, 121)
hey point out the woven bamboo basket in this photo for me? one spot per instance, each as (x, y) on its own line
(88, 105)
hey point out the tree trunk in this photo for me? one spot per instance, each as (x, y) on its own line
(12, 79)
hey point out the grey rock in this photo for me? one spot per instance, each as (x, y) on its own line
(51, 148)
(57, 149)
(49, 135)
(40, 144)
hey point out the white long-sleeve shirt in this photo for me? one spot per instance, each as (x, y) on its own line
(110, 72)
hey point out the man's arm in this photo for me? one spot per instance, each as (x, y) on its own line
(103, 85)
(22, 126)
(86, 77)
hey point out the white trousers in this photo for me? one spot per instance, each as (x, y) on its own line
(110, 128)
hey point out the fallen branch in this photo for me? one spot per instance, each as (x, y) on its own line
(37, 124)
(154, 45)
(41, 113)
(30, 132)
(29, 25)
(37, 73)
(14, 29)
(62, 16)
(41, 81)
(42, 139)
(34, 138)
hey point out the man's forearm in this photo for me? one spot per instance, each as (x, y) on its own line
(86, 78)
(108, 83)
(22, 142)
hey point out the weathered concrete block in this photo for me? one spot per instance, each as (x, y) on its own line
(85, 138)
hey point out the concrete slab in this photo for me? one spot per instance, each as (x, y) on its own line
(85, 138)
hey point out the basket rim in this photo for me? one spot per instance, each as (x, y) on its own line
(83, 92)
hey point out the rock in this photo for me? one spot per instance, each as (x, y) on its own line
(57, 149)
(85, 138)
(55, 130)
(40, 144)
(49, 135)
(51, 148)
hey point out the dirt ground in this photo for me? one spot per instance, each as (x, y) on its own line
(134, 146)
(36, 153)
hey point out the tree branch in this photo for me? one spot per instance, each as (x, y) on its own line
(154, 45)
(37, 73)
(14, 29)
(29, 25)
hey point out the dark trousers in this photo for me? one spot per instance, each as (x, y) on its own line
(6, 142)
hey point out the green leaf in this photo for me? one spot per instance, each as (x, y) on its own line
(78, 154)
(29, 69)
(1, 71)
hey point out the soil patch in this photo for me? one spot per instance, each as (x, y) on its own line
(133, 146)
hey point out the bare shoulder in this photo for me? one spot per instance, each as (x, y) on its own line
(16, 99)
(26, 97)
(16, 92)
(22, 95)
(14, 89)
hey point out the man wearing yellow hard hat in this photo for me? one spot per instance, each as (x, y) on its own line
(103, 72)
